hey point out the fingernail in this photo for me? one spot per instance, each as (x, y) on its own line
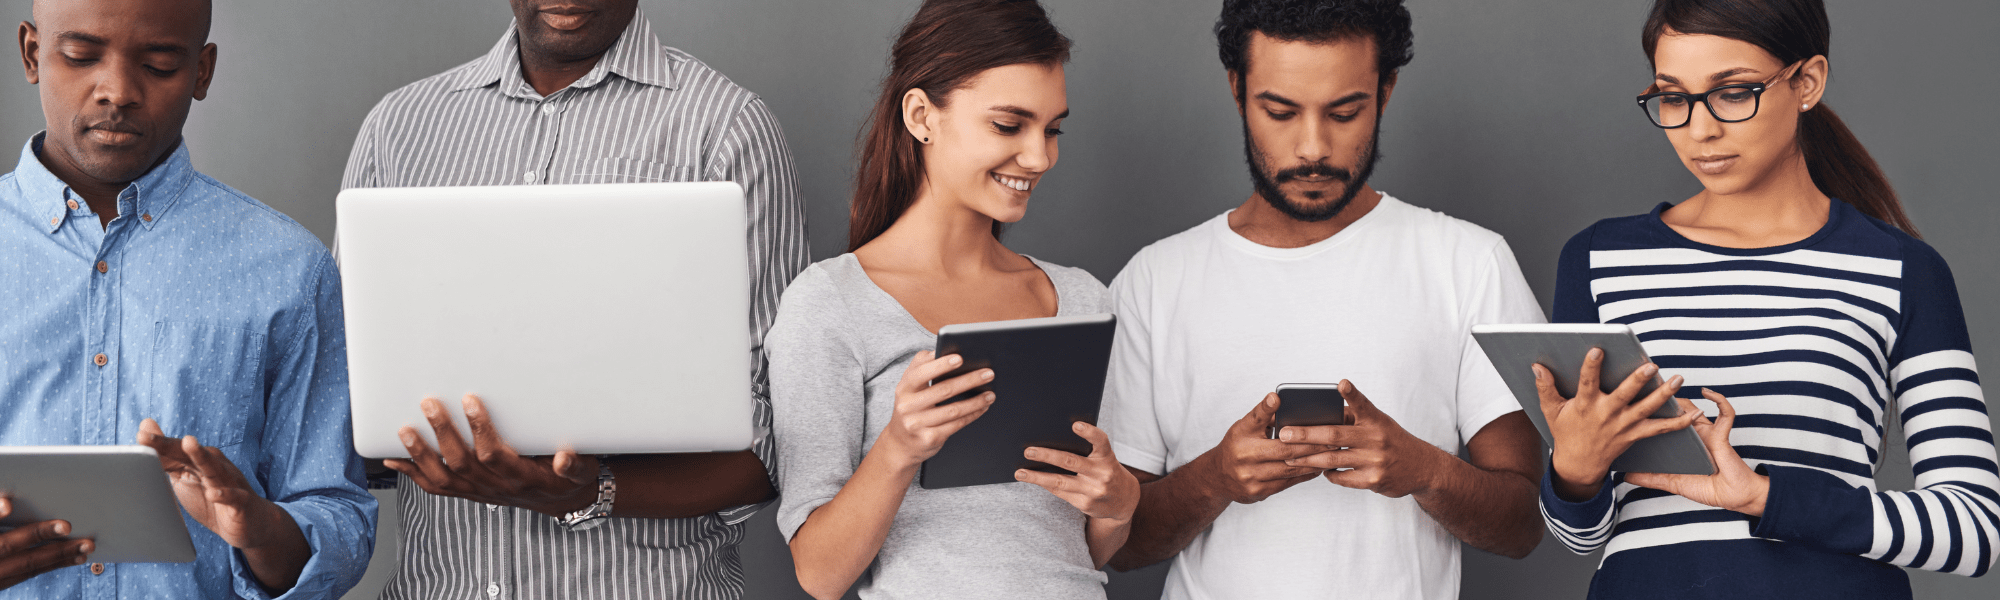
(986, 374)
(954, 360)
(1287, 434)
(61, 527)
(409, 437)
(1020, 474)
(1674, 381)
(77, 561)
(1648, 369)
(1538, 371)
(87, 547)
(1077, 426)
(1595, 353)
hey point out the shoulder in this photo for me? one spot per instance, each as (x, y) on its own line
(1170, 253)
(704, 86)
(418, 95)
(251, 218)
(1442, 236)
(1077, 286)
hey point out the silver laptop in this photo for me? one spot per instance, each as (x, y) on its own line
(607, 319)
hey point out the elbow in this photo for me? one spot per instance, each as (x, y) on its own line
(816, 586)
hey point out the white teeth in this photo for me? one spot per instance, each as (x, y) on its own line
(1017, 184)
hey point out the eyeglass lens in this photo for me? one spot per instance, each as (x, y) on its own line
(1728, 105)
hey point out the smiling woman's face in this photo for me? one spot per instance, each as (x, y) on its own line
(1731, 158)
(994, 139)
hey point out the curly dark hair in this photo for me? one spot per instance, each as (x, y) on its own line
(1316, 21)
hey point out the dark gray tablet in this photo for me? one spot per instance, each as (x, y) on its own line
(1047, 374)
(117, 496)
(1560, 348)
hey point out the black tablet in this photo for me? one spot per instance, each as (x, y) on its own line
(1047, 374)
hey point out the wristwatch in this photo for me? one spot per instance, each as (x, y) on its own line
(595, 514)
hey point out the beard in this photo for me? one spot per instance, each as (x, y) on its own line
(1266, 182)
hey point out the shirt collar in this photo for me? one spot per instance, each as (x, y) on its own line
(147, 198)
(634, 56)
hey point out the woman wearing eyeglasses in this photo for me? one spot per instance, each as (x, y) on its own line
(1793, 295)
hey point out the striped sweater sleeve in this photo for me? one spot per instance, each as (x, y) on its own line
(1583, 527)
(1951, 522)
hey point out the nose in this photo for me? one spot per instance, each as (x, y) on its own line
(1702, 125)
(1038, 154)
(118, 85)
(1315, 146)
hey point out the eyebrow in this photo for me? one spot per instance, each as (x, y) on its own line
(1348, 99)
(77, 36)
(1716, 77)
(1024, 113)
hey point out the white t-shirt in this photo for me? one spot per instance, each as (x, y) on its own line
(1209, 322)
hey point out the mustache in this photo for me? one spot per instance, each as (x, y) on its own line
(1317, 169)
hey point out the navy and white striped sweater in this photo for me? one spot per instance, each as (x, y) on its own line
(1815, 343)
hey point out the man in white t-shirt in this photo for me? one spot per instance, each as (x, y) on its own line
(1318, 278)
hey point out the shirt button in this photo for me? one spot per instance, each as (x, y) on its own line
(548, 109)
(55, 220)
(528, 177)
(97, 568)
(148, 217)
(101, 267)
(493, 590)
(72, 205)
(100, 359)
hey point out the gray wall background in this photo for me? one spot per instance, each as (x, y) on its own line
(1516, 115)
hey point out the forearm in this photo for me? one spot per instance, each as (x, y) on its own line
(1105, 537)
(278, 560)
(1172, 511)
(1493, 510)
(840, 538)
(677, 486)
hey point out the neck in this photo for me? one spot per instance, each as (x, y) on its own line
(548, 74)
(938, 235)
(1781, 206)
(102, 196)
(1256, 220)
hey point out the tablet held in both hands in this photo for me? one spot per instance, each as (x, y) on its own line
(116, 496)
(605, 319)
(1048, 374)
(1561, 348)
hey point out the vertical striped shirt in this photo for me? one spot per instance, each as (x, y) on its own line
(1817, 343)
(646, 112)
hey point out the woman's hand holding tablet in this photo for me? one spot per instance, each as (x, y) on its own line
(1101, 487)
(922, 419)
(1594, 428)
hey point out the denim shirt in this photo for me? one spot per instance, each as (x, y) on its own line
(205, 310)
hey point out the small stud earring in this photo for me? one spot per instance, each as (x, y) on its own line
(1807, 106)
(927, 140)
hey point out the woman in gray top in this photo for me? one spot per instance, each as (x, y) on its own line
(964, 130)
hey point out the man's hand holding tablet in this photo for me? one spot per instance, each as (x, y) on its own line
(36, 548)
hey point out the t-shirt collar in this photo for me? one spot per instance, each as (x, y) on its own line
(1236, 240)
(147, 198)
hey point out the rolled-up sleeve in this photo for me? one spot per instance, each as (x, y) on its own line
(308, 465)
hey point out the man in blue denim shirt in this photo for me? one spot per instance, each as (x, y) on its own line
(140, 299)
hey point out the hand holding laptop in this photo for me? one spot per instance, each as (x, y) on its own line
(489, 470)
(36, 548)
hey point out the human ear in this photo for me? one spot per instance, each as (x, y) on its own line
(204, 72)
(1236, 93)
(1388, 89)
(919, 115)
(1810, 82)
(30, 44)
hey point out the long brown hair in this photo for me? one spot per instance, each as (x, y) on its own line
(945, 45)
(1793, 31)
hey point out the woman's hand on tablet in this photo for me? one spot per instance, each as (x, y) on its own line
(1102, 488)
(36, 548)
(216, 494)
(1593, 428)
(1734, 486)
(920, 425)
(488, 470)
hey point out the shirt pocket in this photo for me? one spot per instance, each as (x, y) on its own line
(625, 170)
(206, 380)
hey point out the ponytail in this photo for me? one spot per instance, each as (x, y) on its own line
(1841, 168)
(1792, 31)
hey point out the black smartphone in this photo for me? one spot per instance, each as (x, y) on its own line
(1308, 404)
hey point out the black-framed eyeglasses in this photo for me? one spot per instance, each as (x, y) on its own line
(1733, 103)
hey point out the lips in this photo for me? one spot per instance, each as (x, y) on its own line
(565, 18)
(1714, 164)
(112, 133)
(1015, 183)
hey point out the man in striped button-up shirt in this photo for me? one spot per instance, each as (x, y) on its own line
(584, 93)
